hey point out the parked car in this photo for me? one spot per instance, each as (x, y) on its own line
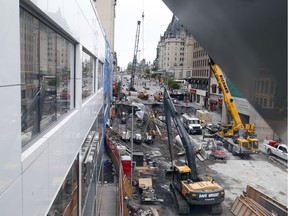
(126, 136)
(137, 138)
(276, 148)
(213, 149)
(212, 128)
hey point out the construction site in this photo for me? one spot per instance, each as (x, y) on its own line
(253, 184)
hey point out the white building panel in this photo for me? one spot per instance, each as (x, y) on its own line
(61, 157)
(9, 52)
(31, 154)
(47, 161)
(11, 200)
(10, 153)
(36, 186)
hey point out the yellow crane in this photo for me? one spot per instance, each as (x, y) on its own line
(247, 140)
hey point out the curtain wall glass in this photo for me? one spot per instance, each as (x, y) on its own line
(46, 68)
(87, 75)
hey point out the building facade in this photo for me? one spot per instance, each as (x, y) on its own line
(179, 53)
(55, 84)
(106, 13)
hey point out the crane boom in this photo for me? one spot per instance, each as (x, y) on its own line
(226, 94)
(134, 62)
(170, 112)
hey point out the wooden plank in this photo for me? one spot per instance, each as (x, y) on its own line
(200, 157)
(244, 206)
(273, 207)
(266, 201)
(154, 211)
(145, 182)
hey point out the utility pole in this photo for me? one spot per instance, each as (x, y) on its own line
(132, 146)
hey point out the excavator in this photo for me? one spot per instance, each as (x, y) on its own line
(187, 187)
(244, 135)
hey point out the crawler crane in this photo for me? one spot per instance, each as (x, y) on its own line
(187, 187)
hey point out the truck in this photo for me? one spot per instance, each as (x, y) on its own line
(191, 123)
(276, 148)
(186, 186)
(239, 146)
(239, 138)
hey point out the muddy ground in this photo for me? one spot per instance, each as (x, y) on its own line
(159, 153)
(234, 174)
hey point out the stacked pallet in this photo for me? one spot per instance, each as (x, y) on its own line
(254, 203)
(204, 116)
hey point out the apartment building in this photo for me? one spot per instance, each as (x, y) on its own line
(55, 85)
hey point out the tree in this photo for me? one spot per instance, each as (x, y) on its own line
(147, 71)
(155, 68)
(172, 84)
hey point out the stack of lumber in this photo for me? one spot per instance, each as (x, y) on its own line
(254, 203)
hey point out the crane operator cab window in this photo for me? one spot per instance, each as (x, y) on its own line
(182, 176)
(182, 173)
(254, 144)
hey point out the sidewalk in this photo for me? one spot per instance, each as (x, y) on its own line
(108, 200)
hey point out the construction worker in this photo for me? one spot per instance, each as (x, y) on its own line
(152, 133)
(112, 115)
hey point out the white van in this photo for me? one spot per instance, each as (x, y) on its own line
(192, 124)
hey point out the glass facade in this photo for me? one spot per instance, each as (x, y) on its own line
(100, 75)
(90, 152)
(87, 75)
(66, 201)
(46, 68)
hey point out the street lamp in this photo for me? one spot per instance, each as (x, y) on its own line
(132, 146)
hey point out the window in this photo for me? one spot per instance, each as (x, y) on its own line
(87, 75)
(91, 155)
(67, 197)
(100, 75)
(214, 87)
(46, 68)
(281, 148)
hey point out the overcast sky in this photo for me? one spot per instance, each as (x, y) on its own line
(157, 16)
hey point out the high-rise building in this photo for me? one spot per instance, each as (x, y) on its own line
(56, 66)
(106, 13)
